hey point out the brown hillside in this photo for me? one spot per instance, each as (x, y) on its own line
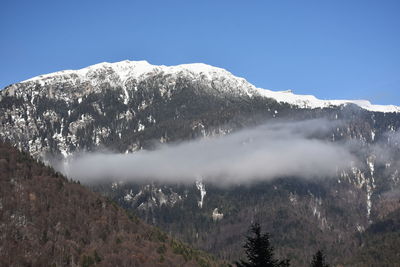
(46, 220)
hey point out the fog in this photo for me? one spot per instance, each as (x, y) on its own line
(262, 153)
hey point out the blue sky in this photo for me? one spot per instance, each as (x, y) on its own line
(328, 48)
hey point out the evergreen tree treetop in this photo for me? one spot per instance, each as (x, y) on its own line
(259, 251)
(319, 260)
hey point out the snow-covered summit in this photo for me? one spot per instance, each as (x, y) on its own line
(131, 69)
(118, 73)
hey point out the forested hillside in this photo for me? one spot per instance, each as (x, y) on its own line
(47, 220)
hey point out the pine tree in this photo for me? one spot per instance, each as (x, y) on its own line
(319, 260)
(259, 251)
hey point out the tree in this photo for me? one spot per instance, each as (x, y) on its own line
(319, 260)
(259, 251)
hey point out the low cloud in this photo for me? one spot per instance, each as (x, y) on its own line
(262, 153)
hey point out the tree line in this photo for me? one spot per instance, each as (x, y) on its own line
(260, 252)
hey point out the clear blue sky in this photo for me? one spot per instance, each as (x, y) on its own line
(328, 48)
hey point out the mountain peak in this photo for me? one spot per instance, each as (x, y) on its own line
(126, 69)
(118, 73)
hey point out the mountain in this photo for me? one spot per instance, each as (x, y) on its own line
(127, 107)
(48, 220)
(117, 104)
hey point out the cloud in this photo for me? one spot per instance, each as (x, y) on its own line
(262, 153)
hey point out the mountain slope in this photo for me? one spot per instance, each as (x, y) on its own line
(120, 109)
(113, 104)
(380, 243)
(47, 220)
(129, 106)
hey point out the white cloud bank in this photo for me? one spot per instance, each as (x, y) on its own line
(265, 152)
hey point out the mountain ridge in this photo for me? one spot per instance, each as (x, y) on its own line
(136, 69)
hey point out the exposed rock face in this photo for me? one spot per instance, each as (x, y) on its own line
(118, 105)
(128, 106)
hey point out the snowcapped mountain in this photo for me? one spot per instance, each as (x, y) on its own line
(120, 73)
(133, 105)
(135, 91)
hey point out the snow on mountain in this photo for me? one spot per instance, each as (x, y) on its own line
(120, 72)
(310, 101)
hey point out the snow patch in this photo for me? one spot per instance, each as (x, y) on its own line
(140, 127)
(216, 216)
(360, 228)
(202, 188)
(128, 197)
